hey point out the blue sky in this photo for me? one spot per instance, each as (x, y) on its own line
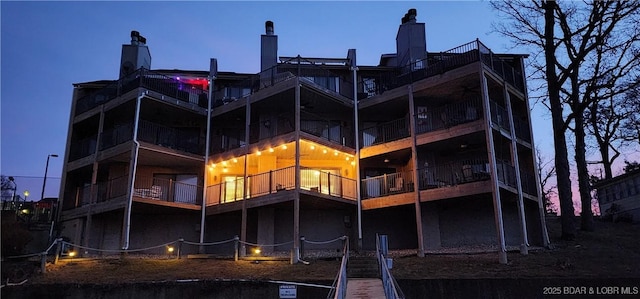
(48, 46)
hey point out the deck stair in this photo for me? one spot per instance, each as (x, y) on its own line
(363, 267)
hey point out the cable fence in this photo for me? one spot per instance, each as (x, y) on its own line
(232, 248)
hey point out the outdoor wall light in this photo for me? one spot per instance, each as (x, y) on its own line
(72, 253)
(257, 250)
(271, 150)
(284, 146)
(170, 249)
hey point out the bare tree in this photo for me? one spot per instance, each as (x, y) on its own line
(547, 172)
(573, 74)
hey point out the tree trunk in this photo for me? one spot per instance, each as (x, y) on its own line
(586, 217)
(559, 139)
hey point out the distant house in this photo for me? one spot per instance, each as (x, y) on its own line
(434, 149)
(619, 197)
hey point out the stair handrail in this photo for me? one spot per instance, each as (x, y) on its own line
(339, 286)
(391, 288)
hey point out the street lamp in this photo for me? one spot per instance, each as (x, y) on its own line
(46, 168)
(26, 193)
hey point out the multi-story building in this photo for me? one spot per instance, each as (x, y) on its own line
(433, 149)
(619, 197)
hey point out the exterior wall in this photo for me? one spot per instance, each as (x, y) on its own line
(467, 222)
(399, 223)
(149, 230)
(106, 230)
(222, 227)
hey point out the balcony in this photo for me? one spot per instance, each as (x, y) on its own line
(443, 117)
(115, 136)
(387, 184)
(528, 183)
(506, 173)
(331, 130)
(454, 173)
(182, 139)
(172, 87)
(499, 116)
(438, 63)
(261, 184)
(83, 148)
(145, 187)
(385, 132)
(167, 190)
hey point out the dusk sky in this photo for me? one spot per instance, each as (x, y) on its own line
(48, 46)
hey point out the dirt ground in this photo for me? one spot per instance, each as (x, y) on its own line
(612, 251)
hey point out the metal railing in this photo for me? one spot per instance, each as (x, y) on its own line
(438, 63)
(528, 183)
(499, 115)
(437, 118)
(174, 138)
(390, 285)
(265, 129)
(116, 135)
(112, 188)
(454, 173)
(172, 87)
(339, 286)
(387, 184)
(167, 190)
(280, 180)
(331, 130)
(385, 132)
(521, 126)
(506, 173)
(83, 147)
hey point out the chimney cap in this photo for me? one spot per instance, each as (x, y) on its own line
(268, 25)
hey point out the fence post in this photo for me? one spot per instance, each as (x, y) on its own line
(235, 247)
(302, 239)
(180, 242)
(43, 262)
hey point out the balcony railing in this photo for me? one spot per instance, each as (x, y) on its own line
(83, 148)
(385, 132)
(331, 130)
(167, 190)
(117, 135)
(528, 182)
(438, 118)
(454, 173)
(176, 138)
(438, 63)
(387, 184)
(182, 91)
(146, 187)
(506, 173)
(499, 116)
(521, 125)
(113, 188)
(266, 129)
(280, 180)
